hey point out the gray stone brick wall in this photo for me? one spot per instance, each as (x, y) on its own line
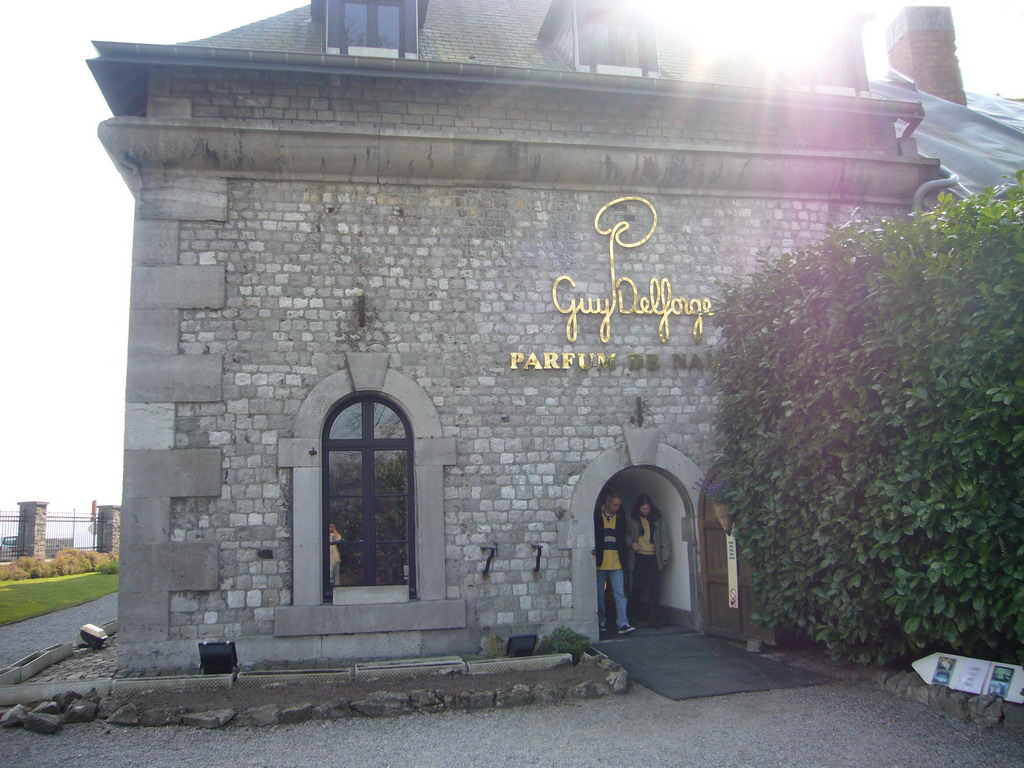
(454, 281)
(257, 243)
(502, 111)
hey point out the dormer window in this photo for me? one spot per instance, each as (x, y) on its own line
(614, 44)
(371, 28)
(603, 36)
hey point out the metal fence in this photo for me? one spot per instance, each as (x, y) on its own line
(11, 544)
(78, 530)
(66, 531)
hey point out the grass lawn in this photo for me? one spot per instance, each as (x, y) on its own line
(32, 597)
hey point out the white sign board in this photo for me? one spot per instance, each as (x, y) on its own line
(963, 673)
(733, 571)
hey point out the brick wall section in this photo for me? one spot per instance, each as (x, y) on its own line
(921, 44)
(455, 279)
(929, 58)
(471, 110)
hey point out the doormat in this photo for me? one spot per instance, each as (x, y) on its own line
(691, 666)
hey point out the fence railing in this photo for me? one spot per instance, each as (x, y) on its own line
(33, 532)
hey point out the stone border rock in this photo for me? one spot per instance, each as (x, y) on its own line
(71, 707)
(983, 709)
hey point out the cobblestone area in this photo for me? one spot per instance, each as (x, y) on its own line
(83, 664)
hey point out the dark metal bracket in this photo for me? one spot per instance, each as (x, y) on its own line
(492, 551)
(539, 548)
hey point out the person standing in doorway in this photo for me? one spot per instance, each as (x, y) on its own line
(649, 551)
(610, 550)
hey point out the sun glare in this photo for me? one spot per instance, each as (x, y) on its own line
(779, 32)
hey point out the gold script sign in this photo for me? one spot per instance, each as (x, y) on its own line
(626, 298)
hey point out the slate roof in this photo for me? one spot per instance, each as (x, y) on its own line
(493, 32)
(487, 32)
(293, 31)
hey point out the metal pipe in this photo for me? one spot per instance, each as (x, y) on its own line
(931, 186)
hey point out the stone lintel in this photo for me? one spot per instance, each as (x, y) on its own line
(435, 451)
(178, 287)
(155, 242)
(149, 426)
(172, 473)
(642, 445)
(183, 197)
(153, 332)
(295, 452)
(367, 369)
(174, 379)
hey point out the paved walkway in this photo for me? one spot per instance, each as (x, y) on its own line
(20, 639)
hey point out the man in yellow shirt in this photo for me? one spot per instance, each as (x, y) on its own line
(610, 550)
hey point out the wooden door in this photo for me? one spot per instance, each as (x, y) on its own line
(719, 618)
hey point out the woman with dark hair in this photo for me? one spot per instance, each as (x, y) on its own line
(648, 548)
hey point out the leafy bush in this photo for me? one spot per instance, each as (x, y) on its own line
(67, 562)
(12, 572)
(566, 640)
(872, 417)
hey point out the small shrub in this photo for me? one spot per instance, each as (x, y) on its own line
(67, 562)
(565, 640)
(35, 567)
(12, 572)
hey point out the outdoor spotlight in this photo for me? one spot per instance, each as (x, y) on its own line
(217, 657)
(93, 636)
(520, 645)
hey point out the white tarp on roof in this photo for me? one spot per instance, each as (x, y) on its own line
(982, 143)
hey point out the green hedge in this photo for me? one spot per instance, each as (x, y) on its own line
(67, 562)
(872, 417)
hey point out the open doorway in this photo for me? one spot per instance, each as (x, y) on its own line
(678, 600)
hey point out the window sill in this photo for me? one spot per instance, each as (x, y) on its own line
(612, 69)
(413, 616)
(370, 595)
(381, 53)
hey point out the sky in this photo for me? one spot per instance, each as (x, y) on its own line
(68, 215)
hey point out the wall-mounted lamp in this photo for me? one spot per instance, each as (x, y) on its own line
(492, 551)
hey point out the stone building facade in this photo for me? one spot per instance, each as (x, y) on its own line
(425, 230)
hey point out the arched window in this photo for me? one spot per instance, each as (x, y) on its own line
(369, 520)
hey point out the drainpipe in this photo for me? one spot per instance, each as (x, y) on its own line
(930, 186)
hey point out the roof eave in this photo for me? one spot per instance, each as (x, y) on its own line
(118, 61)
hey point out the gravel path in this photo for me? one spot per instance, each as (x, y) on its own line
(851, 724)
(20, 639)
(833, 726)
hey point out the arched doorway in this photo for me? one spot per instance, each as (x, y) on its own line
(642, 464)
(677, 579)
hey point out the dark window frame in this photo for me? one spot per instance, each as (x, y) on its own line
(621, 22)
(368, 445)
(336, 28)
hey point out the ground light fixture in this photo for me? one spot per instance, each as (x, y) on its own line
(520, 645)
(93, 636)
(217, 657)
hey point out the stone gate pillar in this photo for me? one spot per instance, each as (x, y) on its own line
(32, 528)
(108, 529)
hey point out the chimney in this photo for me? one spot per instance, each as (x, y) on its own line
(922, 46)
